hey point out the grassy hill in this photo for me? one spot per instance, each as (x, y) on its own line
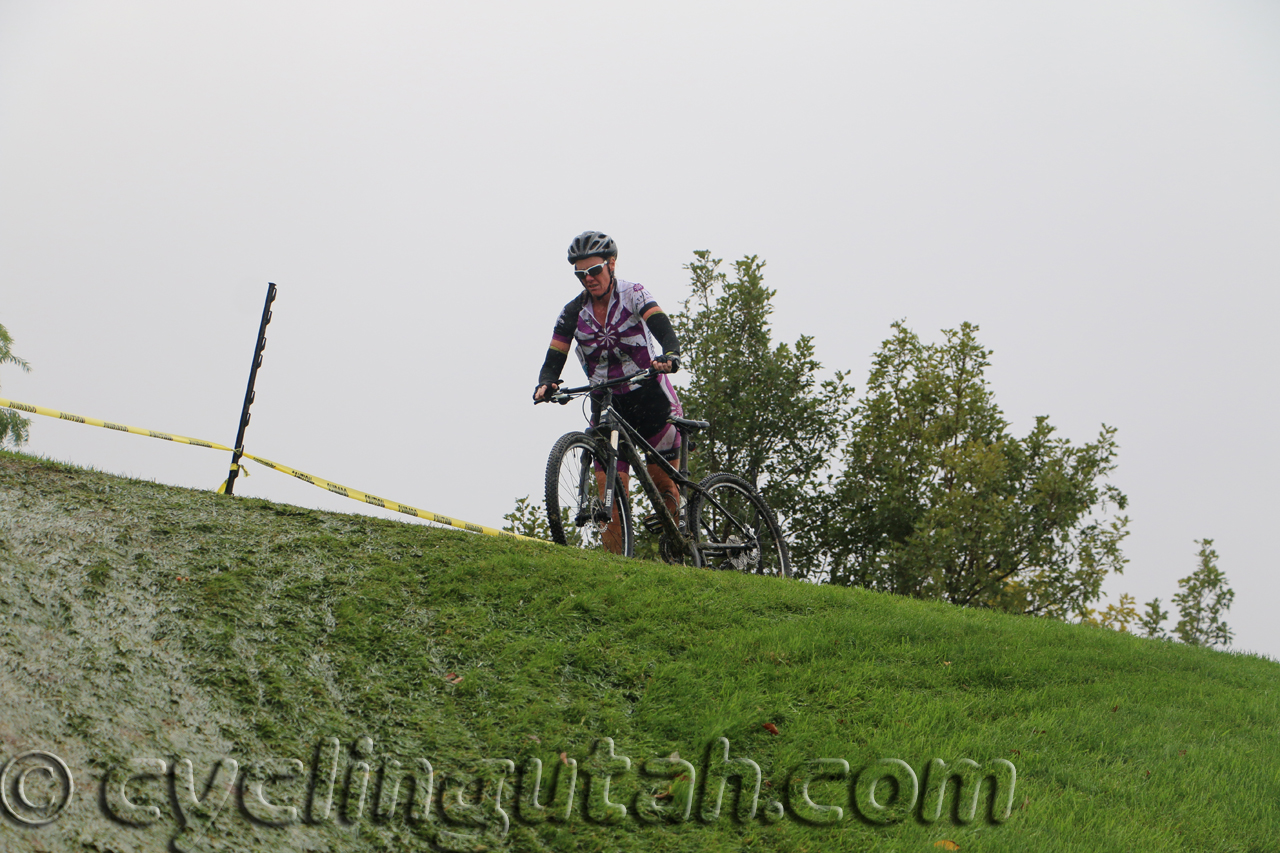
(152, 636)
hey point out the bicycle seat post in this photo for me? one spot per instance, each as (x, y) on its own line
(684, 451)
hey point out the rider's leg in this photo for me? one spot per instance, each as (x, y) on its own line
(666, 487)
(612, 537)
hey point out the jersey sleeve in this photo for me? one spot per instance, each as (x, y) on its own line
(561, 341)
(565, 326)
(639, 299)
(655, 319)
(660, 326)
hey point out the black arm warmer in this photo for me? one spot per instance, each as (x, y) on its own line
(660, 325)
(552, 366)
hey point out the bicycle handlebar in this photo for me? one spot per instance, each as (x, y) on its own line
(563, 396)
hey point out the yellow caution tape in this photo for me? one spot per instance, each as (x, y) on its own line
(319, 482)
(357, 495)
(243, 469)
(54, 413)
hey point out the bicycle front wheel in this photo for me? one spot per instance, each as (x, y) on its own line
(575, 505)
(736, 529)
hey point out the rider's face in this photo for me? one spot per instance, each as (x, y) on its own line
(597, 285)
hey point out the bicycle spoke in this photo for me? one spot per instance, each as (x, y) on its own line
(575, 506)
(736, 529)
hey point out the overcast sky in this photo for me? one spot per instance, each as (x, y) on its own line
(1095, 184)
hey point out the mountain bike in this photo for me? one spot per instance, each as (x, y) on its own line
(723, 522)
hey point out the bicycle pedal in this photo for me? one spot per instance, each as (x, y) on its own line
(653, 524)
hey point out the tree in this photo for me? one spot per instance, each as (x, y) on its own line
(1150, 621)
(529, 518)
(937, 500)
(1203, 601)
(13, 427)
(773, 422)
(1117, 617)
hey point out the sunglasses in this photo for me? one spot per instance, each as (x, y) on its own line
(594, 272)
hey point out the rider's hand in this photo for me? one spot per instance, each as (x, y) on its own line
(542, 392)
(666, 363)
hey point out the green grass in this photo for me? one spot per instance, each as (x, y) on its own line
(302, 625)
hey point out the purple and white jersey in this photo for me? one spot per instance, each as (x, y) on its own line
(621, 345)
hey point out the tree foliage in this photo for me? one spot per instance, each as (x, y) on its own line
(937, 500)
(1117, 617)
(773, 421)
(1203, 601)
(529, 518)
(13, 427)
(1151, 619)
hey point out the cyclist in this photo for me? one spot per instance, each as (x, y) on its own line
(615, 324)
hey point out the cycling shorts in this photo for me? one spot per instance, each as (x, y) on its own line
(646, 408)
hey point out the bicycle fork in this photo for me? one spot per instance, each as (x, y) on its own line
(611, 476)
(591, 510)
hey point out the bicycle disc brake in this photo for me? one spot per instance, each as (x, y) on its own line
(593, 512)
(741, 557)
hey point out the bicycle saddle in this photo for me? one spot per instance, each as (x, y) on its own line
(690, 426)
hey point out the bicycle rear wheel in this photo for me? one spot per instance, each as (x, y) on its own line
(736, 529)
(574, 503)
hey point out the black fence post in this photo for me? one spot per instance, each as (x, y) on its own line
(248, 392)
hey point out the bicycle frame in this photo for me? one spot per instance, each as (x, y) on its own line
(624, 442)
(630, 450)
